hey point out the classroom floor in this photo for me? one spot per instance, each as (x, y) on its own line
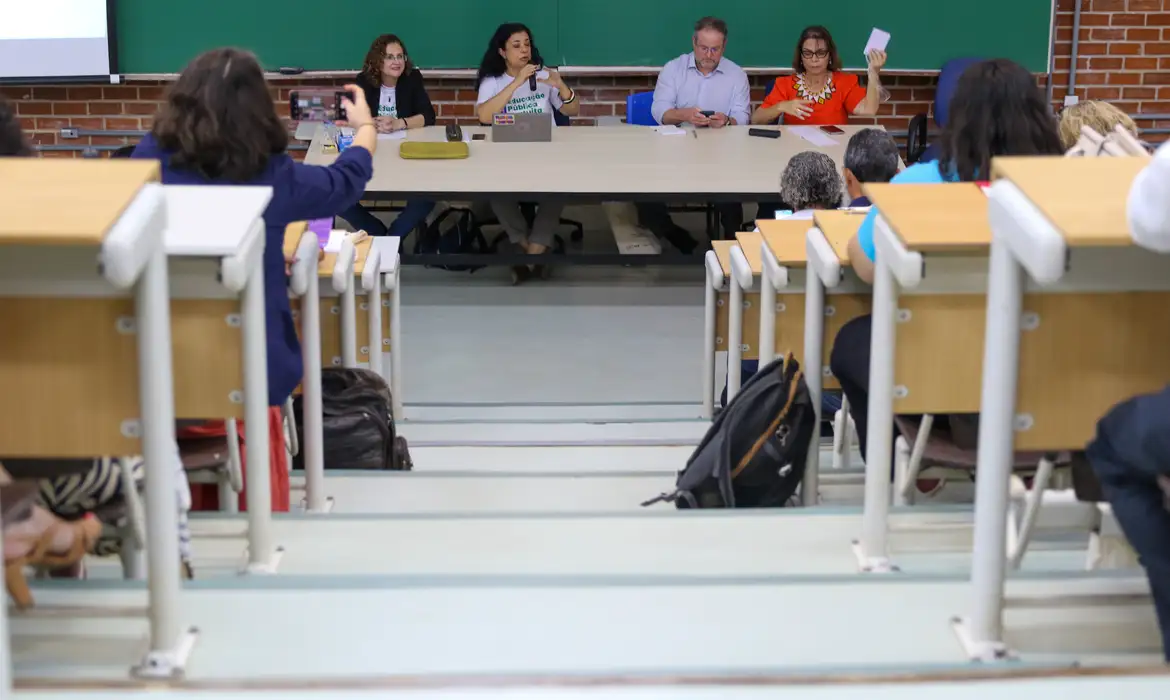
(539, 418)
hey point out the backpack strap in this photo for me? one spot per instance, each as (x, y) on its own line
(748, 456)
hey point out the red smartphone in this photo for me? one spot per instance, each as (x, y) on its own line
(832, 129)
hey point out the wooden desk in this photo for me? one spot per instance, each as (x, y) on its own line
(797, 324)
(1091, 330)
(717, 263)
(215, 241)
(86, 364)
(929, 301)
(578, 164)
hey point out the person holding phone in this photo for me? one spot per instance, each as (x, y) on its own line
(513, 79)
(707, 90)
(395, 92)
(817, 92)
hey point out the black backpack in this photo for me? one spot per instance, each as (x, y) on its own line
(454, 232)
(753, 456)
(357, 423)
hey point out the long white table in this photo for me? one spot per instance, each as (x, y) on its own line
(593, 164)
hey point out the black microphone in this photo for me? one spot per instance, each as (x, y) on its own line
(532, 80)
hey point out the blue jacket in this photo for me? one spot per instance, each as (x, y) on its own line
(299, 192)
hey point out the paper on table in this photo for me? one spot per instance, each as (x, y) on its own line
(670, 130)
(336, 236)
(392, 136)
(878, 41)
(813, 135)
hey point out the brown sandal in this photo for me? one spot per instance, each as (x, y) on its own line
(85, 534)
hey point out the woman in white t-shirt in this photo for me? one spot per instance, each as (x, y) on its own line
(510, 61)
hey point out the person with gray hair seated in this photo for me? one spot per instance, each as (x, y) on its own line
(810, 181)
(871, 156)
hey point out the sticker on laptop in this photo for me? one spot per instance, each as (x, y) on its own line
(503, 120)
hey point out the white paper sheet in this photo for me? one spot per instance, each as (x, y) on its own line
(336, 236)
(393, 136)
(670, 130)
(878, 41)
(814, 136)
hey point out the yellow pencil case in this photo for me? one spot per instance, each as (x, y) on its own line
(433, 150)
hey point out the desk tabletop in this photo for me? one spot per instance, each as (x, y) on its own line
(211, 221)
(67, 202)
(839, 227)
(723, 253)
(946, 218)
(785, 238)
(1084, 198)
(593, 163)
(750, 243)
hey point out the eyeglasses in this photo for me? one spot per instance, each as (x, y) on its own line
(823, 53)
(395, 57)
(708, 50)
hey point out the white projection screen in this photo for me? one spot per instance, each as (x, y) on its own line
(56, 39)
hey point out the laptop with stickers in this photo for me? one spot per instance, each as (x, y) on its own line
(521, 128)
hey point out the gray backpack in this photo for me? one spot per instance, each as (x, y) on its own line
(753, 456)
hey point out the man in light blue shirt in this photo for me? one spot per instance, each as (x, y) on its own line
(697, 82)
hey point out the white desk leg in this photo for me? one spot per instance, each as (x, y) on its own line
(313, 444)
(814, 332)
(169, 643)
(872, 551)
(709, 347)
(5, 654)
(375, 327)
(734, 338)
(348, 326)
(767, 316)
(396, 348)
(258, 481)
(982, 633)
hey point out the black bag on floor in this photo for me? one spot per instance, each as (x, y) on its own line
(358, 423)
(753, 456)
(455, 232)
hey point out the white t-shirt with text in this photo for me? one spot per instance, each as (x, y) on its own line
(388, 102)
(543, 100)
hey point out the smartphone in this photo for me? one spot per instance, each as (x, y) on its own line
(708, 113)
(316, 105)
(832, 129)
(765, 133)
(478, 137)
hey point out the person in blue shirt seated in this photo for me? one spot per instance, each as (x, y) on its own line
(395, 92)
(701, 80)
(997, 110)
(871, 156)
(219, 126)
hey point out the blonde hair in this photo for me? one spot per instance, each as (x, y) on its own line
(1098, 116)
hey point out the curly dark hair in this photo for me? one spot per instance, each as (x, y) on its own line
(493, 63)
(372, 68)
(219, 118)
(997, 110)
(12, 140)
(816, 32)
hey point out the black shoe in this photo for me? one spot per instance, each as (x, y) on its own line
(520, 274)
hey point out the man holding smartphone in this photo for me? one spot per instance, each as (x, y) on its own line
(706, 90)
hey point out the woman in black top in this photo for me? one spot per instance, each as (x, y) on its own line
(398, 100)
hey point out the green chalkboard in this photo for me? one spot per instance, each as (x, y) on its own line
(160, 36)
(763, 33)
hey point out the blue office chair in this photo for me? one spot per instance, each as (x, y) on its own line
(638, 109)
(948, 79)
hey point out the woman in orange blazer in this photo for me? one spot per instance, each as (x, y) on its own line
(818, 92)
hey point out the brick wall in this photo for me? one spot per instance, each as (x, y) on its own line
(1124, 57)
